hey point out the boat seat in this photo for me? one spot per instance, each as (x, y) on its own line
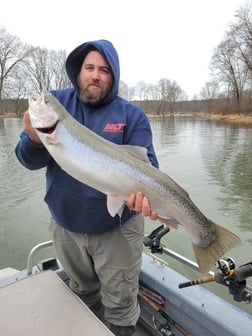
(42, 304)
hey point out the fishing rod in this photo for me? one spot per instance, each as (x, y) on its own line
(227, 274)
(170, 321)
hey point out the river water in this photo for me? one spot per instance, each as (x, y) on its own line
(211, 160)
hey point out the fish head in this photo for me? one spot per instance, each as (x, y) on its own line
(43, 112)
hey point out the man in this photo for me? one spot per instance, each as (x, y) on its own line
(100, 254)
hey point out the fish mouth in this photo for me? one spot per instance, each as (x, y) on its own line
(48, 130)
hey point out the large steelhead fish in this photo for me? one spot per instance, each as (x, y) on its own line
(120, 170)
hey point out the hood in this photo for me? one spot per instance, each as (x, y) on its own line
(106, 49)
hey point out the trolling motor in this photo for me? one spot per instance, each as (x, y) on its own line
(227, 275)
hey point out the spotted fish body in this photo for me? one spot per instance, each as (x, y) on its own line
(120, 170)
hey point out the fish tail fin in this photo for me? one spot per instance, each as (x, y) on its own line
(207, 257)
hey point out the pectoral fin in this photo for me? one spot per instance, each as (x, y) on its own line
(115, 205)
(172, 223)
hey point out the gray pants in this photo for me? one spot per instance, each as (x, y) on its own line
(104, 267)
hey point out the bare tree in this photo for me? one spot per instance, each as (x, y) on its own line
(60, 79)
(140, 90)
(154, 93)
(123, 90)
(210, 90)
(231, 62)
(170, 92)
(241, 30)
(46, 70)
(228, 69)
(12, 54)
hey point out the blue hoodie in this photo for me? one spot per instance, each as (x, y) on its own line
(73, 205)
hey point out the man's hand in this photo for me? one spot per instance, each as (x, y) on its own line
(30, 130)
(139, 203)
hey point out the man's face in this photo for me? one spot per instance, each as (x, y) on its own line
(95, 79)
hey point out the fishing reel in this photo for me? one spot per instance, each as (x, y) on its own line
(228, 275)
(225, 266)
(235, 279)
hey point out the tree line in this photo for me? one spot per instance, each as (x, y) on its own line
(25, 69)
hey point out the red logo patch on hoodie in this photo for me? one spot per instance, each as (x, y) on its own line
(114, 128)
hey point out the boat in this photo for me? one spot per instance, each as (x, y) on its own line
(37, 301)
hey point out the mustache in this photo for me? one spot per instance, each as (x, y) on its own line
(94, 84)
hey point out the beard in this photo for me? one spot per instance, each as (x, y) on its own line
(94, 93)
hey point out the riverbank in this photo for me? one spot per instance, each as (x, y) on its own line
(231, 118)
(8, 115)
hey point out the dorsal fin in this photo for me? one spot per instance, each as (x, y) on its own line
(138, 152)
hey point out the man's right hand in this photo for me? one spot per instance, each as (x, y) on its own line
(30, 130)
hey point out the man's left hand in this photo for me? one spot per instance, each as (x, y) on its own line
(140, 203)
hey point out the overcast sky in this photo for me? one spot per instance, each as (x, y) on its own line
(155, 39)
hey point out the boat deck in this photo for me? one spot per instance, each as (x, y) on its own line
(42, 304)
